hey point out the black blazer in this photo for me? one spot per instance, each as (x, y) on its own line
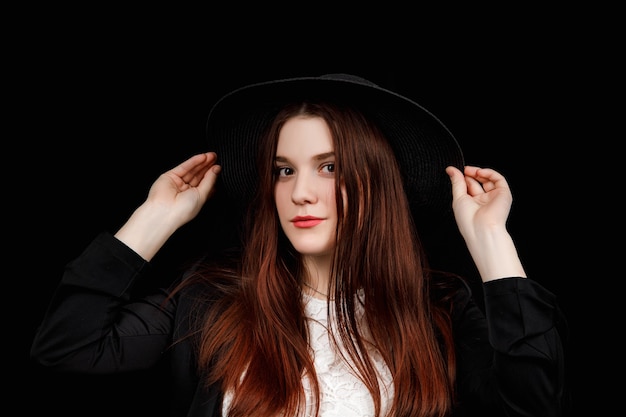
(510, 358)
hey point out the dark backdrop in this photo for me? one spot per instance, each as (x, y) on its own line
(102, 112)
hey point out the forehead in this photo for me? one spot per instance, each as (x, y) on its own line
(304, 136)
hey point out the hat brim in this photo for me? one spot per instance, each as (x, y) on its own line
(423, 145)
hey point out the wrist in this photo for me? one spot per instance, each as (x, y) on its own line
(146, 230)
(495, 255)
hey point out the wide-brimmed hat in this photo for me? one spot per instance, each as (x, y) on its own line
(423, 145)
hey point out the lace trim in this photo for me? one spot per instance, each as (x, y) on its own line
(342, 392)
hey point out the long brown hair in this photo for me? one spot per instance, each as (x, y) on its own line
(254, 338)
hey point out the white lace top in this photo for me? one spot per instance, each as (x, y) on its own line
(342, 393)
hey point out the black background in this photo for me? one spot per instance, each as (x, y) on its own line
(104, 104)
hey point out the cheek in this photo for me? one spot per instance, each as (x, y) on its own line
(280, 196)
(329, 195)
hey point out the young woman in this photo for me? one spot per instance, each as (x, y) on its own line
(329, 306)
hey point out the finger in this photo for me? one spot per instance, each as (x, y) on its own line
(491, 179)
(206, 186)
(474, 187)
(481, 179)
(459, 186)
(471, 170)
(189, 164)
(192, 171)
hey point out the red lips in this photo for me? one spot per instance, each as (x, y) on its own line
(306, 221)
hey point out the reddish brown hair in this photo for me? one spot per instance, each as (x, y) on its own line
(254, 339)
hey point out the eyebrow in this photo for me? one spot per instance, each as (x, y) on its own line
(319, 157)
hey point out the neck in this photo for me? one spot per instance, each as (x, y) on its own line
(317, 274)
(315, 290)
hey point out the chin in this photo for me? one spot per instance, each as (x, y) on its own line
(313, 250)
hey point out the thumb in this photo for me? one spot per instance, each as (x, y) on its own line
(457, 179)
(206, 187)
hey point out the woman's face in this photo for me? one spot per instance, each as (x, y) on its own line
(305, 185)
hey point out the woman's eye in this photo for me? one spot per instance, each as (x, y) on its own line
(329, 168)
(284, 171)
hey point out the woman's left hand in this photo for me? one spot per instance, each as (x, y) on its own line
(481, 200)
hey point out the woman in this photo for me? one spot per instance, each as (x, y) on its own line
(329, 306)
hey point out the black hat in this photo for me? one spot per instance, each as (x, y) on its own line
(423, 145)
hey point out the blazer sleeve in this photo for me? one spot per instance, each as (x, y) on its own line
(510, 353)
(91, 326)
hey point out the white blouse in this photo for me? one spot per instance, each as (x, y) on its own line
(343, 394)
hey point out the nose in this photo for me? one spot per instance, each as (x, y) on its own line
(303, 191)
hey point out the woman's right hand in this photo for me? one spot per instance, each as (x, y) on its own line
(175, 198)
(182, 191)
